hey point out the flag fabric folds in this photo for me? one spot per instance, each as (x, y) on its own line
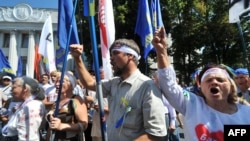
(36, 62)
(89, 7)
(5, 66)
(39, 65)
(4, 63)
(46, 46)
(144, 27)
(148, 20)
(107, 34)
(19, 71)
(66, 20)
(155, 13)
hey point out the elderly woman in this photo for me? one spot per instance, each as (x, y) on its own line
(25, 119)
(72, 119)
(206, 115)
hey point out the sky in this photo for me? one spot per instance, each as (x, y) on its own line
(53, 4)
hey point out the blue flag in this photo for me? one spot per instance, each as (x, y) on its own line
(19, 71)
(144, 27)
(4, 64)
(155, 13)
(66, 20)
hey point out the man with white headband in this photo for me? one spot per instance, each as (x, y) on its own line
(135, 105)
(128, 50)
(204, 116)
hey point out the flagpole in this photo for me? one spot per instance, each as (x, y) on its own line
(89, 11)
(97, 74)
(64, 62)
(52, 136)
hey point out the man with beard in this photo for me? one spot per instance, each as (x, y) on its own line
(135, 105)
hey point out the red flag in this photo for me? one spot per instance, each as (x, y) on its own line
(107, 33)
(37, 62)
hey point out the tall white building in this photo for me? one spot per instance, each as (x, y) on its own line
(20, 30)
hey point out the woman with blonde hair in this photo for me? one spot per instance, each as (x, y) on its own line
(204, 116)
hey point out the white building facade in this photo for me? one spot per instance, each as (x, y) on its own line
(20, 30)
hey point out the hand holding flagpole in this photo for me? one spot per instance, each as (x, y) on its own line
(62, 4)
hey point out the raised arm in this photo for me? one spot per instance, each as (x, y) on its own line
(160, 44)
(166, 74)
(87, 80)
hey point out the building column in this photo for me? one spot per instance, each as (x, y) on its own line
(13, 58)
(1, 39)
(31, 55)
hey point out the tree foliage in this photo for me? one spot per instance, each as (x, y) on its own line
(200, 31)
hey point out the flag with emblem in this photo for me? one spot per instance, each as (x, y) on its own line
(46, 46)
(144, 27)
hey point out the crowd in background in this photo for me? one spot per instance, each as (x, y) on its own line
(136, 107)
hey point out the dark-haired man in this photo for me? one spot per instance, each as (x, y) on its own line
(134, 100)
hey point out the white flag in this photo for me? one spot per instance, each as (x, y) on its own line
(107, 34)
(46, 46)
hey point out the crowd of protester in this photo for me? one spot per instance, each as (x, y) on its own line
(136, 106)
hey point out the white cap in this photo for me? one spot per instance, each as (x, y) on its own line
(7, 77)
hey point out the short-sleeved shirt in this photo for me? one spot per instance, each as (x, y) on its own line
(144, 98)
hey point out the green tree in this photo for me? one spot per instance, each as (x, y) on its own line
(200, 30)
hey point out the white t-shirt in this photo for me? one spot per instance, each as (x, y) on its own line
(201, 122)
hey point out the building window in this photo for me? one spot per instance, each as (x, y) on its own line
(6, 40)
(25, 40)
(24, 61)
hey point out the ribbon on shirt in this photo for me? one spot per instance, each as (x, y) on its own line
(127, 110)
